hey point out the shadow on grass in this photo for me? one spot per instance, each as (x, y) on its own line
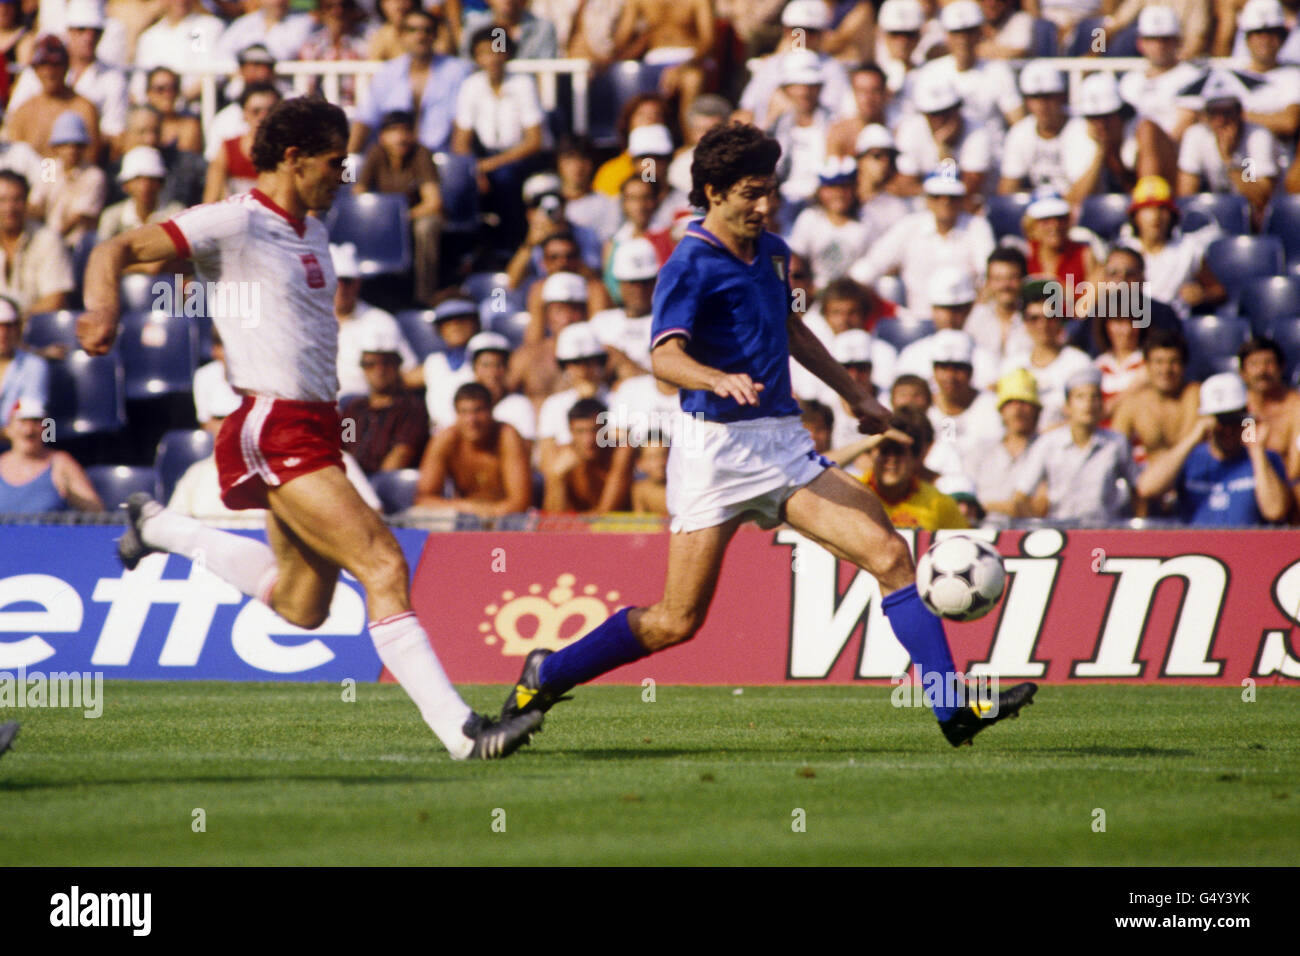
(1113, 751)
(7, 786)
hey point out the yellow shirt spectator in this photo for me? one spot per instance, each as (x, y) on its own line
(926, 507)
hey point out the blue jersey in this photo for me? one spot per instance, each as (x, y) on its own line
(733, 315)
(1214, 492)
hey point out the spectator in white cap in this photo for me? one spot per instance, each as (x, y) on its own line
(71, 199)
(456, 321)
(386, 427)
(141, 176)
(359, 321)
(1047, 359)
(963, 416)
(939, 133)
(552, 247)
(489, 356)
(1046, 148)
(951, 295)
(86, 32)
(877, 155)
(898, 36)
(35, 268)
(23, 374)
(855, 350)
(803, 27)
(1080, 473)
(34, 478)
(803, 128)
(872, 104)
(625, 331)
(1275, 104)
(1194, 17)
(941, 233)
(1008, 31)
(1221, 479)
(651, 148)
(1234, 22)
(533, 367)
(1052, 252)
(34, 120)
(1225, 154)
(1155, 90)
(828, 233)
(843, 306)
(584, 363)
(1112, 166)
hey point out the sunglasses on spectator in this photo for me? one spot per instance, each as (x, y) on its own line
(418, 28)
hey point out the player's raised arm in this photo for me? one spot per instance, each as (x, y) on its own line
(97, 326)
(809, 352)
(674, 366)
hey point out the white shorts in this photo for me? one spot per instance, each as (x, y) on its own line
(717, 471)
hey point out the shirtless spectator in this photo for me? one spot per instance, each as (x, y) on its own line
(35, 268)
(675, 36)
(1158, 415)
(870, 98)
(180, 130)
(482, 458)
(1270, 402)
(33, 121)
(389, 426)
(589, 476)
(533, 367)
(489, 356)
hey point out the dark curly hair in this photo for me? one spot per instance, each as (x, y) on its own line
(307, 122)
(726, 155)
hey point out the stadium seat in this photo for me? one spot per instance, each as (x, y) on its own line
(44, 329)
(396, 489)
(87, 395)
(115, 483)
(458, 181)
(1267, 299)
(1234, 259)
(376, 223)
(417, 326)
(1229, 210)
(1124, 42)
(510, 324)
(1212, 343)
(1080, 43)
(903, 332)
(1044, 42)
(136, 291)
(891, 288)
(1286, 333)
(606, 94)
(177, 450)
(482, 285)
(1005, 213)
(159, 353)
(1283, 221)
(1104, 213)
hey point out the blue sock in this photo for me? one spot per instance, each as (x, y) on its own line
(921, 634)
(610, 645)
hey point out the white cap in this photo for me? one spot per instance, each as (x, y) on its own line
(635, 260)
(1157, 21)
(380, 338)
(8, 311)
(1040, 78)
(343, 255)
(851, 346)
(86, 14)
(838, 170)
(934, 92)
(69, 127)
(1099, 95)
(1222, 85)
(802, 66)
(1259, 15)
(650, 141)
(453, 309)
(961, 15)
(1086, 375)
(578, 341)
(564, 287)
(950, 285)
(1047, 205)
(142, 161)
(900, 16)
(487, 342)
(539, 184)
(874, 136)
(28, 407)
(809, 14)
(1223, 393)
(941, 184)
(952, 347)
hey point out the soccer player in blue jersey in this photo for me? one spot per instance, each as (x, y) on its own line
(725, 326)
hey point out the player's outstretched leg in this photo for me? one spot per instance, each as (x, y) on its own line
(7, 734)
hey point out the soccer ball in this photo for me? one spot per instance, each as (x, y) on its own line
(960, 578)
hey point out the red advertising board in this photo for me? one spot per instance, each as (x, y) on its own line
(1117, 606)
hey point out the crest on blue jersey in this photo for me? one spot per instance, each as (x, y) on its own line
(778, 263)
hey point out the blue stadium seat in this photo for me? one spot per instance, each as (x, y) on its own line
(115, 483)
(1104, 213)
(483, 285)
(607, 93)
(417, 326)
(1267, 299)
(177, 450)
(1045, 40)
(1286, 333)
(159, 353)
(377, 224)
(903, 332)
(396, 489)
(1005, 213)
(1230, 211)
(1080, 43)
(1212, 343)
(1234, 259)
(1283, 221)
(43, 329)
(136, 291)
(510, 324)
(87, 395)
(1123, 43)
(891, 288)
(80, 256)
(458, 182)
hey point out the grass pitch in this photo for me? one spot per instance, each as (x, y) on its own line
(291, 774)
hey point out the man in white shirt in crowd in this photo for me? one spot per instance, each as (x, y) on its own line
(583, 206)
(357, 321)
(1046, 148)
(1275, 104)
(183, 35)
(1112, 163)
(804, 23)
(899, 24)
(939, 132)
(803, 128)
(963, 416)
(256, 65)
(1155, 92)
(456, 322)
(825, 233)
(941, 233)
(142, 176)
(271, 24)
(877, 156)
(35, 268)
(998, 466)
(1048, 360)
(995, 322)
(626, 331)
(951, 294)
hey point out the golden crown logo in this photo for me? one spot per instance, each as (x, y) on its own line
(551, 615)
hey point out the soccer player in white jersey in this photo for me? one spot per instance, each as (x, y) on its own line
(724, 331)
(281, 449)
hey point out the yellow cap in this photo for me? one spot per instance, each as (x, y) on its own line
(1151, 191)
(1018, 385)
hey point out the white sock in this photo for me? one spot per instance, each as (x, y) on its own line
(404, 648)
(247, 564)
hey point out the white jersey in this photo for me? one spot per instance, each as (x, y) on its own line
(269, 286)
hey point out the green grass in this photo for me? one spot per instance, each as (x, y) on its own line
(290, 774)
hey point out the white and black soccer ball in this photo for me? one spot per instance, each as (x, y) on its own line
(960, 578)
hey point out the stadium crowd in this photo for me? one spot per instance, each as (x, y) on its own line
(1080, 297)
